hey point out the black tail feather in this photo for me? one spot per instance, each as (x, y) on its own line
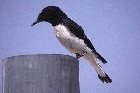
(101, 58)
(106, 79)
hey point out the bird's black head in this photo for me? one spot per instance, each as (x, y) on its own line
(51, 14)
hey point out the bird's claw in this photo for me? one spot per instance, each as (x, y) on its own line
(80, 55)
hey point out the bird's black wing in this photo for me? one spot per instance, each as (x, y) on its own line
(79, 32)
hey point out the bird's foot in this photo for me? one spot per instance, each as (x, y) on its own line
(80, 55)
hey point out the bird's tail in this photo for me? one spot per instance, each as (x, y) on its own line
(100, 57)
(101, 73)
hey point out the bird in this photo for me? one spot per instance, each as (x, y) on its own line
(72, 37)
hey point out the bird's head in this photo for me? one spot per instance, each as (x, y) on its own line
(51, 14)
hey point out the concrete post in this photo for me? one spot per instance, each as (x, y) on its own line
(42, 73)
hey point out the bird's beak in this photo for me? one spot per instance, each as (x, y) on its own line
(37, 21)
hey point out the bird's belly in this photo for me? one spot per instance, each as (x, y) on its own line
(69, 40)
(73, 44)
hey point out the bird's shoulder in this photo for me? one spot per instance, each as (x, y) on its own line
(74, 28)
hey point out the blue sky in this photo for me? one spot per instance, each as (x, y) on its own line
(112, 25)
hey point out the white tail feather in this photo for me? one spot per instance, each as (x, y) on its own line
(91, 57)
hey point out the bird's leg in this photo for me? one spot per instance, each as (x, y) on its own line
(80, 55)
(85, 52)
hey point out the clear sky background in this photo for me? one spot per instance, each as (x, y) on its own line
(112, 25)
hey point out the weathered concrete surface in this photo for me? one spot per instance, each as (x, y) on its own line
(42, 73)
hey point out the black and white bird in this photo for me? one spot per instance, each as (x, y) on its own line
(72, 36)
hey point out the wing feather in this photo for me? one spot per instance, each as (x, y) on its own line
(78, 32)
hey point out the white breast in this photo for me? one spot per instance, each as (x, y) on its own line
(62, 31)
(69, 40)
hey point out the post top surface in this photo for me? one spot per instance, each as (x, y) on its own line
(46, 55)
